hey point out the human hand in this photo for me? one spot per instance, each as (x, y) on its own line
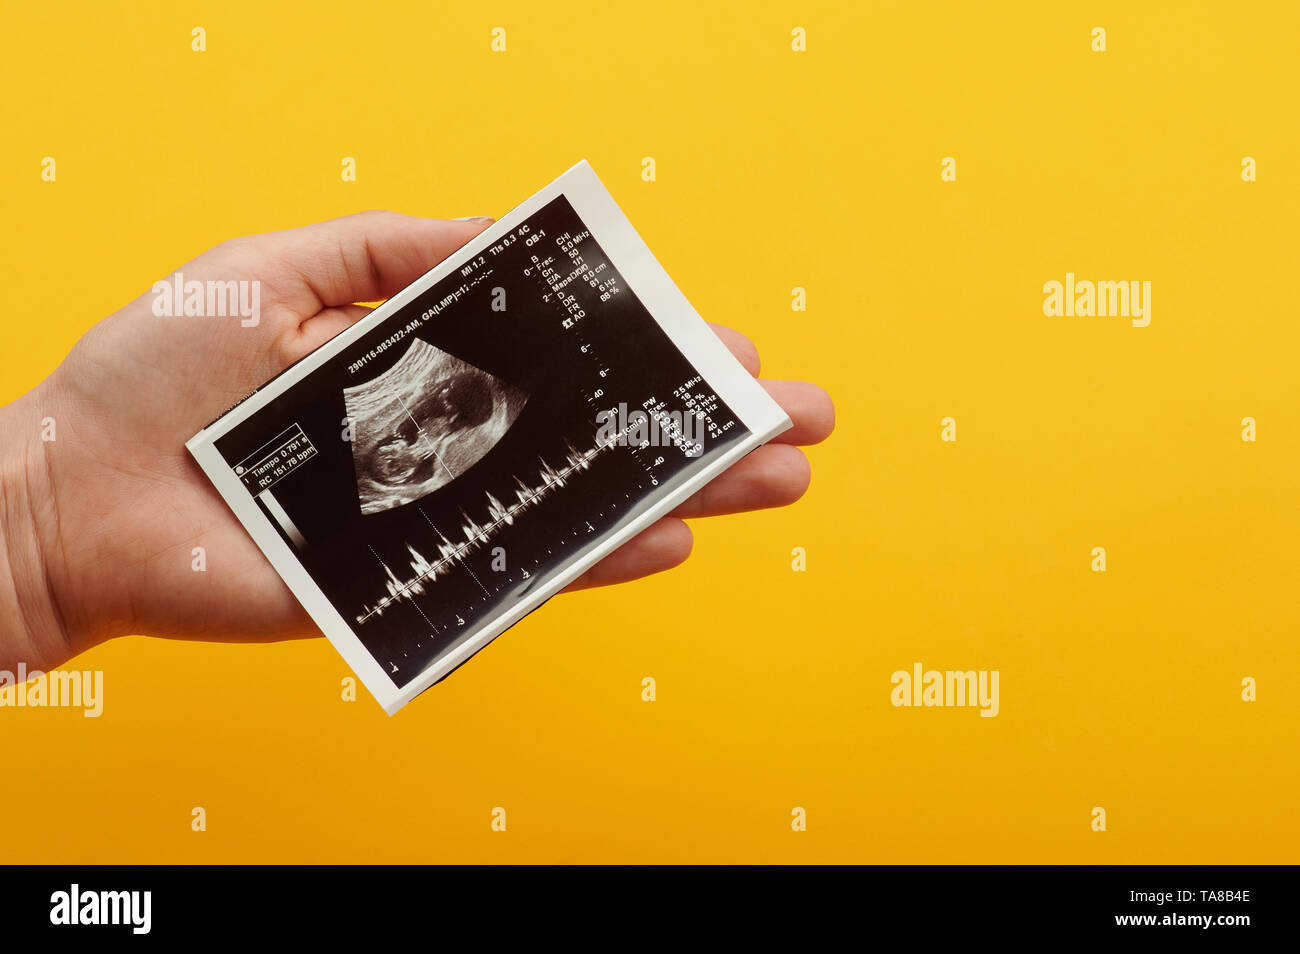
(98, 525)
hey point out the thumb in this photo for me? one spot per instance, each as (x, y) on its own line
(363, 257)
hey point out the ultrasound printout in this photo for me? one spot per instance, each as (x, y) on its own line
(460, 454)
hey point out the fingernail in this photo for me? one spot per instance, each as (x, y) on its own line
(475, 218)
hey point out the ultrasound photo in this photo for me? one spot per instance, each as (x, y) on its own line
(432, 475)
(422, 423)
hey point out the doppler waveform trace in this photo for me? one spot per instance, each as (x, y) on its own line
(476, 535)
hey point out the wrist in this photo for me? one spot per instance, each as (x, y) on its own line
(33, 629)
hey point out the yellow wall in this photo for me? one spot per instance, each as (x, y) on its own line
(775, 169)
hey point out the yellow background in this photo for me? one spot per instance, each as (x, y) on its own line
(775, 169)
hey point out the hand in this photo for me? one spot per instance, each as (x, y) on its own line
(99, 524)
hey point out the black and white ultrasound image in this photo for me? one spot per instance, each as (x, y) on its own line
(452, 459)
(423, 423)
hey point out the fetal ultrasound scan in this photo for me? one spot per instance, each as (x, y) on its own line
(423, 423)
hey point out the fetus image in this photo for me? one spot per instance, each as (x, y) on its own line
(423, 423)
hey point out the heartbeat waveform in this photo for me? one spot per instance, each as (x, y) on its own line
(478, 535)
